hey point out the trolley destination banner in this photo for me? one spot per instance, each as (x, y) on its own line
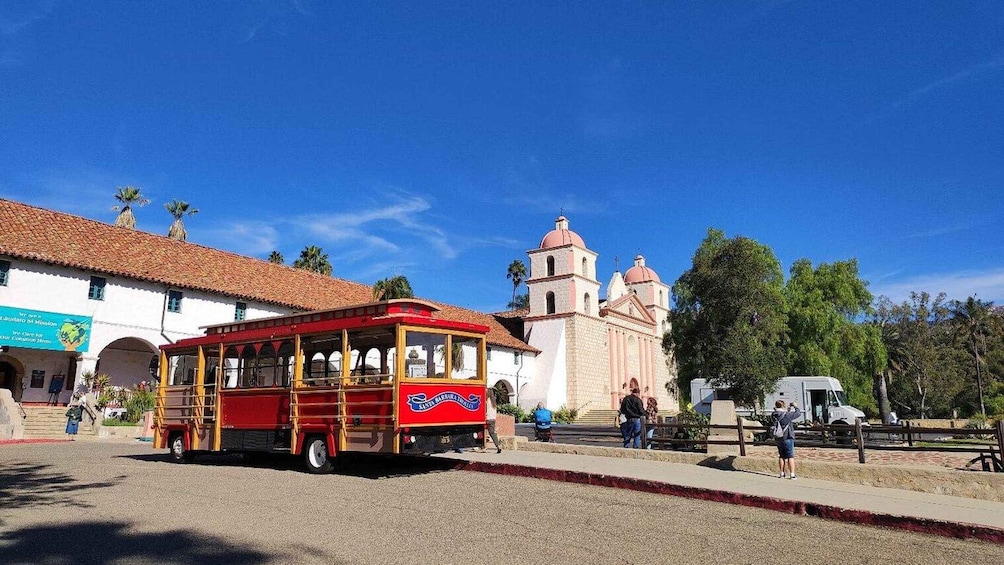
(35, 329)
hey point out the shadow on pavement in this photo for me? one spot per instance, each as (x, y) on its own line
(728, 464)
(104, 542)
(365, 466)
(26, 484)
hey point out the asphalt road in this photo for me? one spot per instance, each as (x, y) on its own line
(94, 502)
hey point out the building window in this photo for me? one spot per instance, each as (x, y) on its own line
(241, 311)
(4, 272)
(585, 267)
(489, 353)
(550, 266)
(585, 304)
(550, 302)
(515, 357)
(97, 289)
(174, 301)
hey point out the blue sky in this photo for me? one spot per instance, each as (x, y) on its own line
(441, 140)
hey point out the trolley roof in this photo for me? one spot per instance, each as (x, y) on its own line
(371, 314)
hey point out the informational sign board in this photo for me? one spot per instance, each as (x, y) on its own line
(56, 384)
(34, 329)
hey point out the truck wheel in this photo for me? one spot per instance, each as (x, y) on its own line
(176, 445)
(315, 455)
(843, 437)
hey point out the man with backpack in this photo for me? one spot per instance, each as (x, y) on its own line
(783, 433)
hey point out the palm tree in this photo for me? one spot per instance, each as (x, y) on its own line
(128, 195)
(391, 288)
(276, 257)
(179, 209)
(972, 319)
(313, 258)
(517, 274)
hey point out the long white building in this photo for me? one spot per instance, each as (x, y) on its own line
(77, 295)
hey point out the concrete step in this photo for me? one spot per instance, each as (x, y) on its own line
(598, 418)
(42, 422)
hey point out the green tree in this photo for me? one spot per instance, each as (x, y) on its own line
(928, 374)
(179, 209)
(313, 258)
(519, 301)
(973, 320)
(392, 287)
(828, 336)
(728, 319)
(276, 257)
(128, 196)
(517, 274)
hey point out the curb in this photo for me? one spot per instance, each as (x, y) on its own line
(942, 528)
(19, 441)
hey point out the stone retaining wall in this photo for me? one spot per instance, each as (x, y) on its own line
(968, 484)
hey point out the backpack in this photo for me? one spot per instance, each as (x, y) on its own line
(777, 430)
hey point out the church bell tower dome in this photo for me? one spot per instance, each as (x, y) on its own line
(640, 273)
(561, 235)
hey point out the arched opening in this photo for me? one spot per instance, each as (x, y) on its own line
(127, 362)
(586, 304)
(585, 267)
(11, 373)
(266, 365)
(660, 299)
(503, 392)
(550, 302)
(550, 266)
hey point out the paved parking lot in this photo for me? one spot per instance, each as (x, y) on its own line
(96, 502)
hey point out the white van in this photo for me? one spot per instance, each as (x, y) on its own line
(822, 398)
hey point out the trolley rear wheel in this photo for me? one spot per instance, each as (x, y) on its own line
(316, 456)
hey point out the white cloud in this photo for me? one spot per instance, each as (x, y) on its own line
(245, 238)
(960, 76)
(986, 285)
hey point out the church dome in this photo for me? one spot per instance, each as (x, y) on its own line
(561, 235)
(640, 273)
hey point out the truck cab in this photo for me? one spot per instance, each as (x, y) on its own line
(822, 399)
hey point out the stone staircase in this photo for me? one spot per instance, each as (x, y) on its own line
(598, 418)
(45, 422)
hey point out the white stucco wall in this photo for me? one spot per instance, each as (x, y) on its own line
(130, 309)
(549, 383)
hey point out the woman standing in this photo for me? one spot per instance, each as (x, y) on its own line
(651, 419)
(73, 417)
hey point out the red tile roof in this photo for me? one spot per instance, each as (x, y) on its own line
(56, 238)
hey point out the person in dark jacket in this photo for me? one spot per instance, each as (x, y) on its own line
(73, 416)
(632, 409)
(782, 420)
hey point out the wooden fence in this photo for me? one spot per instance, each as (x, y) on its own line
(986, 444)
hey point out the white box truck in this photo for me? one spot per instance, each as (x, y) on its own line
(822, 399)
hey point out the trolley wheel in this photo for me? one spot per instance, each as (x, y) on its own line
(315, 455)
(176, 445)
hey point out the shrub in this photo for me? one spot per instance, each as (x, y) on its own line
(138, 402)
(564, 415)
(514, 411)
(689, 416)
(979, 422)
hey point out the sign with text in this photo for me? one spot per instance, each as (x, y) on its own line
(34, 329)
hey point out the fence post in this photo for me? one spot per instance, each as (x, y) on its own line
(909, 434)
(644, 433)
(861, 440)
(1000, 438)
(742, 436)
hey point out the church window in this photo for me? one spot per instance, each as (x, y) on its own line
(550, 266)
(660, 299)
(174, 301)
(585, 267)
(585, 302)
(550, 302)
(515, 357)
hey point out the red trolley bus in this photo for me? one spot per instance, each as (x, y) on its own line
(384, 377)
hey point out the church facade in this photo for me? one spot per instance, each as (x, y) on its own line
(593, 351)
